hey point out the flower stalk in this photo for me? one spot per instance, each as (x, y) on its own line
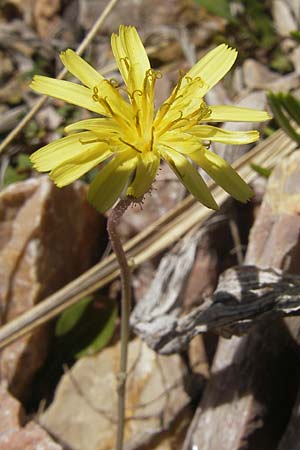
(125, 272)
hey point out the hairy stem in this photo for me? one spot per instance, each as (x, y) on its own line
(125, 273)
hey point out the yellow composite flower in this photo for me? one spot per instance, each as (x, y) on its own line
(130, 138)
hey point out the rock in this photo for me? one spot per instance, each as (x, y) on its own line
(286, 16)
(295, 58)
(46, 18)
(83, 412)
(256, 100)
(248, 399)
(136, 13)
(31, 437)
(274, 239)
(48, 236)
(11, 117)
(11, 412)
(48, 118)
(125, 12)
(185, 276)
(258, 76)
(12, 436)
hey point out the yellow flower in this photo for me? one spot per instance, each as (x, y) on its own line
(132, 138)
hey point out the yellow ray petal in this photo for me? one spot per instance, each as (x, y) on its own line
(117, 106)
(110, 182)
(55, 153)
(213, 66)
(120, 57)
(131, 57)
(104, 125)
(203, 76)
(181, 142)
(223, 174)
(183, 102)
(147, 166)
(80, 68)
(67, 91)
(236, 114)
(214, 134)
(78, 165)
(189, 177)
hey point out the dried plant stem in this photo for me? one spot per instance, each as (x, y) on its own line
(125, 273)
(158, 236)
(86, 41)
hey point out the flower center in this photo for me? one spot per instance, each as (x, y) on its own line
(183, 109)
(138, 128)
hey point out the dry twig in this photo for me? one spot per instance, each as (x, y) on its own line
(155, 238)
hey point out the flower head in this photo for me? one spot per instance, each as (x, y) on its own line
(131, 137)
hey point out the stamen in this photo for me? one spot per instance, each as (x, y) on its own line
(172, 123)
(167, 105)
(152, 139)
(150, 73)
(106, 105)
(136, 92)
(202, 82)
(130, 145)
(203, 112)
(114, 83)
(89, 141)
(133, 100)
(207, 113)
(126, 61)
(138, 123)
(95, 95)
(206, 144)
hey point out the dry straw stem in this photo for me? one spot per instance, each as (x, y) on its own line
(84, 44)
(154, 239)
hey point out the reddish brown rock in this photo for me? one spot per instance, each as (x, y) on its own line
(31, 437)
(12, 435)
(48, 236)
(10, 412)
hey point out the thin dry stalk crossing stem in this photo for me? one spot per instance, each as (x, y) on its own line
(148, 243)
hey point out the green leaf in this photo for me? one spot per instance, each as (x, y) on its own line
(12, 176)
(86, 327)
(219, 8)
(277, 106)
(104, 336)
(24, 161)
(280, 62)
(263, 171)
(17, 171)
(295, 35)
(69, 318)
(292, 106)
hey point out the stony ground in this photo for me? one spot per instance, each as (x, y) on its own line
(58, 385)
